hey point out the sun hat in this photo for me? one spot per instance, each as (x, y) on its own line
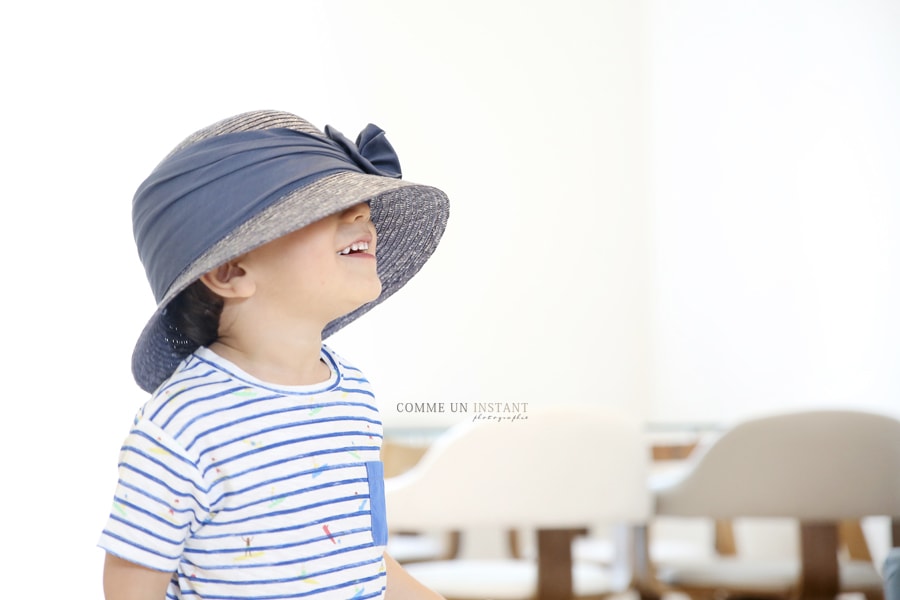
(252, 178)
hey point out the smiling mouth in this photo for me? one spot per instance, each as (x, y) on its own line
(355, 248)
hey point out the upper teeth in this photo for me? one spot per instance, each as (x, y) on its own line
(355, 247)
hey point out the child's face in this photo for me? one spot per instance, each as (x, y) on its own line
(311, 274)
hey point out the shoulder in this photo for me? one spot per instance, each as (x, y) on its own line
(198, 381)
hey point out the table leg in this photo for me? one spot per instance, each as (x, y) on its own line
(554, 549)
(819, 578)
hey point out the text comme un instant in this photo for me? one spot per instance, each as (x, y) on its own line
(462, 407)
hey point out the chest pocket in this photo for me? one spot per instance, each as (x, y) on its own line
(375, 475)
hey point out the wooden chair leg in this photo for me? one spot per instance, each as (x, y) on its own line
(512, 544)
(725, 544)
(454, 539)
(851, 536)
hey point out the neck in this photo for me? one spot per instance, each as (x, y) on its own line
(289, 356)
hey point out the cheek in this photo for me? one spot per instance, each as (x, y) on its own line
(319, 273)
(305, 271)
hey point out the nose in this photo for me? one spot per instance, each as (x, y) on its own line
(358, 212)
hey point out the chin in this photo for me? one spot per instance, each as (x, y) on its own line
(365, 298)
(374, 292)
(371, 298)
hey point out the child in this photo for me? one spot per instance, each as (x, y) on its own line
(253, 470)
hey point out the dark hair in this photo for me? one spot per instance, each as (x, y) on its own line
(196, 312)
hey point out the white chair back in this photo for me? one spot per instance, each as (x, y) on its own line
(810, 465)
(565, 466)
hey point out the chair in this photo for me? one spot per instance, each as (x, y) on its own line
(817, 467)
(557, 472)
(414, 546)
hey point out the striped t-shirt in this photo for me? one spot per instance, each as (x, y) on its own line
(244, 489)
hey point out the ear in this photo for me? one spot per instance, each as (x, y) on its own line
(229, 281)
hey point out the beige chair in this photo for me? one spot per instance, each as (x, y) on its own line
(817, 468)
(414, 546)
(558, 472)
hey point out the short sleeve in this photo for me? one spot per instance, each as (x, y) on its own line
(160, 500)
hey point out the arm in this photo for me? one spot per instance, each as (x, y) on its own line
(124, 580)
(402, 586)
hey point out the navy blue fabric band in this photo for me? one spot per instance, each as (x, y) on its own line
(201, 193)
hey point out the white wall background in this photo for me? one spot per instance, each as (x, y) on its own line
(688, 208)
(775, 206)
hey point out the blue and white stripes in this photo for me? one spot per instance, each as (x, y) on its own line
(248, 490)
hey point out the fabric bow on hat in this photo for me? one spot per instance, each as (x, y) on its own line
(372, 151)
